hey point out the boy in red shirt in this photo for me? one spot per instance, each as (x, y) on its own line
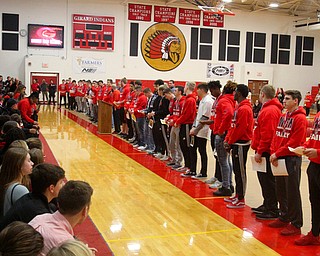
(238, 139)
(62, 89)
(291, 132)
(308, 103)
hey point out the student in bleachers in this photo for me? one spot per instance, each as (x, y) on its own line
(36, 156)
(20, 239)
(74, 201)
(16, 164)
(71, 248)
(46, 181)
(28, 109)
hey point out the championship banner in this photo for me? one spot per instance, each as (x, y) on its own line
(139, 12)
(211, 19)
(189, 17)
(216, 71)
(165, 14)
(83, 65)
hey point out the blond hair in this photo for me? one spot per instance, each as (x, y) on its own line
(71, 248)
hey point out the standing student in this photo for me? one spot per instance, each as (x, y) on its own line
(312, 151)
(201, 133)
(62, 88)
(290, 132)
(52, 88)
(308, 103)
(222, 122)
(44, 90)
(185, 122)
(266, 124)
(238, 140)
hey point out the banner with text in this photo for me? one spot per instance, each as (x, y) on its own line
(189, 17)
(83, 65)
(165, 14)
(216, 71)
(139, 12)
(211, 19)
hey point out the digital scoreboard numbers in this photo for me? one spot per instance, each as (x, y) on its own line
(93, 32)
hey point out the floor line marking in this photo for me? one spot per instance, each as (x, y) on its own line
(173, 235)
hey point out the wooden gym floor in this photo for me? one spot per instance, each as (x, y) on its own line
(141, 207)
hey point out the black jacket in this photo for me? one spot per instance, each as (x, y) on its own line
(26, 208)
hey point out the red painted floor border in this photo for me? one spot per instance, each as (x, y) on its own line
(87, 231)
(242, 218)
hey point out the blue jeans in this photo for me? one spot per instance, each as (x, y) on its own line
(149, 137)
(224, 161)
(141, 123)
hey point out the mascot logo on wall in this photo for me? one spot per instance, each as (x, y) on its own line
(163, 46)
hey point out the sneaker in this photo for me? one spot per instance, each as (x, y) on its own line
(231, 199)
(278, 224)
(211, 180)
(222, 192)
(236, 204)
(290, 230)
(188, 174)
(150, 151)
(164, 158)
(136, 145)
(267, 215)
(217, 184)
(259, 210)
(132, 139)
(142, 147)
(308, 239)
(198, 176)
(182, 169)
(158, 155)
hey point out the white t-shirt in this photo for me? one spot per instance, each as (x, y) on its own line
(204, 109)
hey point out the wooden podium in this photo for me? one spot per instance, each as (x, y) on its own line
(104, 117)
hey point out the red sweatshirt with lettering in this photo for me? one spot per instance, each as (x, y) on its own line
(291, 132)
(223, 113)
(266, 125)
(189, 110)
(176, 110)
(140, 104)
(314, 141)
(242, 123)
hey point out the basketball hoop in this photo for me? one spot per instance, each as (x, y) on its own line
(216, 10)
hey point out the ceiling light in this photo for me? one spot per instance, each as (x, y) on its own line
(227, 1)
(274, 5)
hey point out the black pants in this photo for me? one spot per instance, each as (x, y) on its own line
(268, 186)
(116, 120)
(239, 160)
(64, 100)
(72, 103)
(307, 111)
(288, 192)
(313, 172)
(130, 127)
(201, 145)
(217, 173)
(184, 141)
(52, 98)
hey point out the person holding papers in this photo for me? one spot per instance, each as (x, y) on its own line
(290, 132)
(266, 125)
(312, 151)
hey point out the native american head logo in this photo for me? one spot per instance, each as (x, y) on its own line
(163, 46)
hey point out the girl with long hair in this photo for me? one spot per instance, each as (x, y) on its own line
(16, 164)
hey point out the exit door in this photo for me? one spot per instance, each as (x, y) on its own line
(46, 76)
(255, 87)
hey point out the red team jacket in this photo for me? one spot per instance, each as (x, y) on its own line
(308, 101)
(140, 104)
(26, 110)
(291, 132)
(314, 141)
(224, 113)
(242, 123)
(266, 125)
(62, 88)
(189, 110)
(176, 110)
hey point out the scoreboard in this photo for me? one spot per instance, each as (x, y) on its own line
(93, 32)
